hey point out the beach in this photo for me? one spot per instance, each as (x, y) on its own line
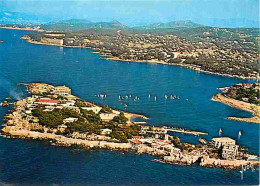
(255, 109)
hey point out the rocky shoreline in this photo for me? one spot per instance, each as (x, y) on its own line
(53, 114)
(240, 105)
(62, 141)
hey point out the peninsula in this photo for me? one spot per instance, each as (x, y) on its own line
(243, 96)
(229, 52)
(53, 113)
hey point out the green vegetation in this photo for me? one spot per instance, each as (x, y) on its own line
(120, 118)
(177, 142)
(123, 132)
(232, 51)
(91, 117)
(50, 119)
(88, 122)
(245, 93)
(106, 109)
(82, 126)
(79, 103)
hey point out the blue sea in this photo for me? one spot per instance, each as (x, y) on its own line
(35, 162)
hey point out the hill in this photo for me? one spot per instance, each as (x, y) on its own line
(172, 25)
(81, 24)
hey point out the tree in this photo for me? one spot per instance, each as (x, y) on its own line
(120, 118)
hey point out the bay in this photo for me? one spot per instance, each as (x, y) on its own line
(34, 162)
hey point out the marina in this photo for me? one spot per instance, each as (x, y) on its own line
(36, 117)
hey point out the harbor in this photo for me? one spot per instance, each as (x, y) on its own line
(90, 76)
(54, 113)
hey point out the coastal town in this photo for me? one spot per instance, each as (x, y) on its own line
(215, 50)
(245, 96)
(221, 51)
(53, 113)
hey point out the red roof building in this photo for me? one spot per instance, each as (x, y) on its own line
(137, 137)
(47, 101)
(136, 141)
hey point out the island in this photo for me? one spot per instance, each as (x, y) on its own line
(54, 114)
(243, 96)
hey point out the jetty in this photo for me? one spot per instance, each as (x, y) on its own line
(165, 130)
(185, 131)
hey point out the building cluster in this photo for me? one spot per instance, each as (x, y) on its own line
(49, 98)
(228, 147)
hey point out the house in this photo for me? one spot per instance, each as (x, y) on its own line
(221, 141)
(62, 127)
(95, 109)
(62, 90)
(49, 40)
(229, 148)
(105, 131)
(107, 116)
(229, 151)
(136, 142)
(47, 101)
(70, 120)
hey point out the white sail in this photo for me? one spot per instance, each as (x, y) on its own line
(220, 132)
(239, 134)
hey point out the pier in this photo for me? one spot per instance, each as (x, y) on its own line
(183, 131)
(165, 130)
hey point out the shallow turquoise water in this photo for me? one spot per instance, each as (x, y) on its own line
(23, 161)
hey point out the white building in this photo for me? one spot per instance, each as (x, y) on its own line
(221, 141)
(70, 120)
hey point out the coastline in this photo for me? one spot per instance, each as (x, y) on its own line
(188, 66)
(62, 141)
(33, 117)
(107, 57)
(254, 109)
(24, 29)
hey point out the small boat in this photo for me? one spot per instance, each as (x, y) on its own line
(220, 132)
(239, 134)
(1, 41)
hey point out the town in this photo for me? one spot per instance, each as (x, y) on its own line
(53, 113)
(221, 51)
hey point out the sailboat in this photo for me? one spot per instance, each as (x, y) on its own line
(220, 132)
(239, 134)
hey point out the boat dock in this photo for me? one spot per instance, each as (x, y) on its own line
(183, 131)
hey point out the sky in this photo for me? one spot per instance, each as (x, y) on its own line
(133, 12)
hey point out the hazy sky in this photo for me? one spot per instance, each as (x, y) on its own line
(133, 12)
